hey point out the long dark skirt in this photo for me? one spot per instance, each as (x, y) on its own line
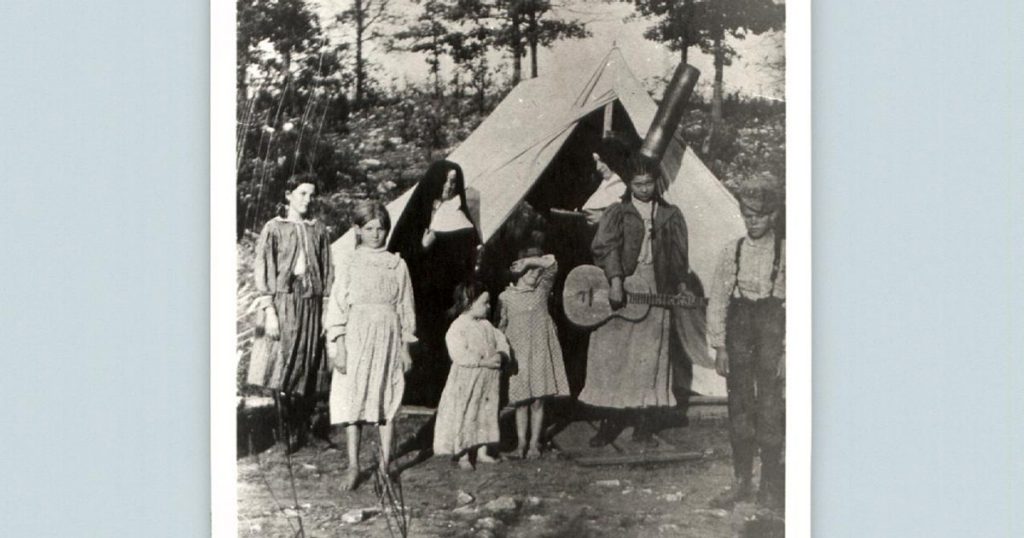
(294, 364)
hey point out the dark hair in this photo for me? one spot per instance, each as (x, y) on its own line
(432, 184)
(466, 293)
(639, 165)
(295, 180)
(368, 210)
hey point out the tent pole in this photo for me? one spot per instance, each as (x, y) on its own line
(606, 131)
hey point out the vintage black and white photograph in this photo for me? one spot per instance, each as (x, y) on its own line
(511, 268)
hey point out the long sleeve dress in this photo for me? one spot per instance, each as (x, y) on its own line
(533, 338)
(293, 273)
(628, 361)
(468, 413)
(371, 309)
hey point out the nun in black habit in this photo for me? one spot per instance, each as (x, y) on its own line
(438, 241)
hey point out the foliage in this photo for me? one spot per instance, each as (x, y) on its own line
(295, 115)
(465, 30)
(428, 35)
(681, 24)
(750, 142)
(365, 18)
(707, 23)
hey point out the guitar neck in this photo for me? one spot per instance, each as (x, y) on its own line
(663, 299)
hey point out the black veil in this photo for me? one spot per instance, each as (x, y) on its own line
(415, 219)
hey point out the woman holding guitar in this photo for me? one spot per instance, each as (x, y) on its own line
(628, 371)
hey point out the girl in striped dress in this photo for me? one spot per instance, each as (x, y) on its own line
(293, 274)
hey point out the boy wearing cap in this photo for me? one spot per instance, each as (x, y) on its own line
(747, 326)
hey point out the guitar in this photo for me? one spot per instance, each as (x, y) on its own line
(585, 298)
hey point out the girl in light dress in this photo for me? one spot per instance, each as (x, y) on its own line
(525, 320)
(370, 323)
(467, 417)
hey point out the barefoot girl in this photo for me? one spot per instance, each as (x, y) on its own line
(293, 273)
(370, 322)
(467, 417)
(534, 341)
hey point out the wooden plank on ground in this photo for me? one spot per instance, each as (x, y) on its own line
(641, 458)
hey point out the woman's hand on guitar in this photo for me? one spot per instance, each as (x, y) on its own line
(684, 291)
(722, 362)
(616, 296)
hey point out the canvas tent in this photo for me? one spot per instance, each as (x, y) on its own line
(518, 146)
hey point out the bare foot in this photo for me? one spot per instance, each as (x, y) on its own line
(351, 481)
(388, 469)
(486, 458)
(533, 453)
(465, 464)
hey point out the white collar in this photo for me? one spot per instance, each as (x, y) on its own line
(449, 217)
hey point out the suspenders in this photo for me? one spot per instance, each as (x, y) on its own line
(776, 260)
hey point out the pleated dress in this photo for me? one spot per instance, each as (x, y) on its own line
(372, 313)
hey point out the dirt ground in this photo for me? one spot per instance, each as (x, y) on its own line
(553, 496)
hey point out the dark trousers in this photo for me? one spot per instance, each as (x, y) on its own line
(755, 332)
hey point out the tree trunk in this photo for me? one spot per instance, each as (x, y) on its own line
(517, 51)
(286, 61)
(686, 19)
(456, 103)
(716, 95)
(243, 66)
(436, 66)
(360, 69)
(533, 36)
(480, 76)
(532, 59)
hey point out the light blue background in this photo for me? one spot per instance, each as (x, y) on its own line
(919, 277)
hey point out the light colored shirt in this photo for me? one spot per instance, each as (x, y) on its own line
(646, 210)
(752, 281)
(471, 341)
